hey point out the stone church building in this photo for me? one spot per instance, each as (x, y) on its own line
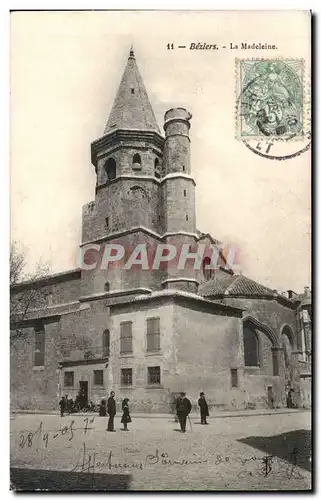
(147, 334)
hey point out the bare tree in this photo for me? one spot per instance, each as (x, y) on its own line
(26, 290)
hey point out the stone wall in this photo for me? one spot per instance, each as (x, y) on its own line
(119, 278)
(34, 387)
(208, 345)
(271, 313)
(128, 203)
(143, 397)
(179, 204)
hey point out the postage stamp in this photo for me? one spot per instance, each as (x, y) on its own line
(270, 99)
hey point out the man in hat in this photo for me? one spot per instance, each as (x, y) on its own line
(62, 404)
(203, 408)
(183, 409)
(111, 410)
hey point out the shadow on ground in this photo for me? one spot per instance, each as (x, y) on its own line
(290, 446)
(53, 480)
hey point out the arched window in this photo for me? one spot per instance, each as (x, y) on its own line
(156, 168)
(107, 286)
(110, 167)
(288, 332)
(207, 273)
(137, 162)
(251, 345)
(106, 342)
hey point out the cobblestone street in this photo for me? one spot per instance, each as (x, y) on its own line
(75, 452)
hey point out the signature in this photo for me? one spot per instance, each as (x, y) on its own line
(30, 439)
(89, 461)
(270, 465)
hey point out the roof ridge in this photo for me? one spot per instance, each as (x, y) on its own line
(234, 279)
(257, 283)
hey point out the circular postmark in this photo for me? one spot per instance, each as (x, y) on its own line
(272, 112)
(277, 150)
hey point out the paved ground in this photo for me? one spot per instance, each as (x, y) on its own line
(270, 452)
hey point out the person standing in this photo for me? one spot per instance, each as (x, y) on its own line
(125, 419)
(67, 404)
(183, 409)
(62, 404)
(203, 408)
(70, 406)
(289, 399)
(102, 408)
(270, 397)
(111, 410)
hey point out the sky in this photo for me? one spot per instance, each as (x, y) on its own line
(65, 71)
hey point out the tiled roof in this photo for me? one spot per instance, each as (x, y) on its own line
(236, 285)
(216, 286)
(131, 108)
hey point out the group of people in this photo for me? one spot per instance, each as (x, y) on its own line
(68, 405)
(111, 410)
(183, 409)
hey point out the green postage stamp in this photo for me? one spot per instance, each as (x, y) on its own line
(270, 99)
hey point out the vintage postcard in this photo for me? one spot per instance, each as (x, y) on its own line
(161, 302)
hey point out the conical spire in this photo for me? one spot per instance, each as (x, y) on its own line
(131, 108)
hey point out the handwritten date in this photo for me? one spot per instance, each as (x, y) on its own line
(28, 439)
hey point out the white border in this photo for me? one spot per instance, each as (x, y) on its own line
(5, 6)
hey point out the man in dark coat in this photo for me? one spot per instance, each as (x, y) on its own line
(203, 408)
(102, 408)
(183, 409)
(111, 410)
(62, 404)
(289, 399)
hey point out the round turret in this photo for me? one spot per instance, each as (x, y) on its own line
(176, 121)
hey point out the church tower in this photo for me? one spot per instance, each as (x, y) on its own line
(144, 192)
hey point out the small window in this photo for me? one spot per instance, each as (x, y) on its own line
(126, 337)
(50, 299)
(275, 363)
(106, 342)
(132, 91)
(186, 217)
(305, 316)
(153, 334)
(156, 168)
(107, 222)
(183, 168)
(234, 378)
(110, 168)
(137, 161)
(126, 376)
(98, 377)
(69, 379)
(184, 192)
(107, 286)
(39, 354)
(153, 373)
